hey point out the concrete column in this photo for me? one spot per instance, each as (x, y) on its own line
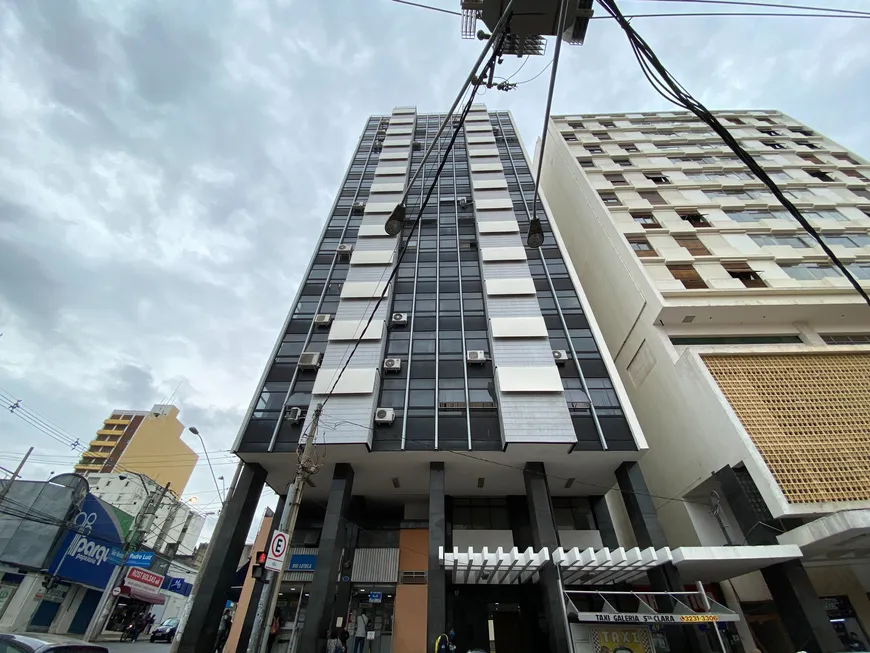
(244, 637)
(219, 567)
(604, 522)
(648, 533)
(318, 617)
(544, 534)
(796, 600)
(342, 593)
(436, 621)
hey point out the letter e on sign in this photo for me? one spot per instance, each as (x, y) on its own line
(277, 551)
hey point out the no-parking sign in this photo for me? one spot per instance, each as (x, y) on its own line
(277, 551)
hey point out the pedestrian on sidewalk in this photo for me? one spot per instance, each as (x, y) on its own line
(224, 630)
(359, 635)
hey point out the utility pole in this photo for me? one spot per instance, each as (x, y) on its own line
(269, 598)
(141, 526)
(5, 489)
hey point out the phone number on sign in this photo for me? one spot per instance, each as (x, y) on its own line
(698, 618)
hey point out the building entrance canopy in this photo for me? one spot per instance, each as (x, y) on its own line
(607, 566)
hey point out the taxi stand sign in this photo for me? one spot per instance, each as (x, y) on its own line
(277, 552)
(681, 614)
(643, 618)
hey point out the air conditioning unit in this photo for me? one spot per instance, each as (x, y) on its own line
(359, 207)
(309, 360)
(385, 416)
(399, 319)
(294, 415)
(476, 356)
(496, 131)
(464, 201)
(560, 356)
(378, 146)
(392, 364)
(382, 131)
(323, 319)
(344, 250)
(417, 146)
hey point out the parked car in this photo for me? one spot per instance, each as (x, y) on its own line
(45, 643)
(165, 631)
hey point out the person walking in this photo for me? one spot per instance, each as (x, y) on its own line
(274, 629)
(360, 633)
(149, 624)
(344, 636)
(224, 630)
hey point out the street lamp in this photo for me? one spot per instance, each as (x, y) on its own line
(195, 431)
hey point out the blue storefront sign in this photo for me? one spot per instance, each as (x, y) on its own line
(302, 562)
(139, 559)
(89, 553)
(376, 597)
(177, 585)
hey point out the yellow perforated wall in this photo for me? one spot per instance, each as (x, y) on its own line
(809, 417)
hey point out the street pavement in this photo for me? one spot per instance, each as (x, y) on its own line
(142, 646)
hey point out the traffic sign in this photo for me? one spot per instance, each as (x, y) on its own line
(116, 591)
(277, 551)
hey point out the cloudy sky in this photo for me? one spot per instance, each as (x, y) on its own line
(165, 167)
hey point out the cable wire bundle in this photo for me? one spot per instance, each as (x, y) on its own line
(670, 89)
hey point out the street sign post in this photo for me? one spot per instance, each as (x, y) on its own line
(277, 551)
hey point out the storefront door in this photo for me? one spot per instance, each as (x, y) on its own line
(85, 612)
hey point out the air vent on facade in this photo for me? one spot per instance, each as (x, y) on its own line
(358, 208)
(323, 319)
(385, 416)
(413, 578)
(294, 415)
(344, 250)
(399, 319)
(688, 319)
(560, 356)
(476, 356)
(392, 364)
(310, 360)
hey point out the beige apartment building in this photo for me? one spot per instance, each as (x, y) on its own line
(144, 442)
(745, 353)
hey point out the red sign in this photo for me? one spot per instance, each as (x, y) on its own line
(143, 579)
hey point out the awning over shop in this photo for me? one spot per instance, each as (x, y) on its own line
(606, 566)
(146, 597)
(844, 534)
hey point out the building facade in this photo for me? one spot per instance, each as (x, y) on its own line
(176, 527)
(146, 442)
(744, 351)
(478, 453)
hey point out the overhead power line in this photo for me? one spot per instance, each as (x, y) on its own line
(696, 14)
(431, 8)
(669, 88)
(772, 5)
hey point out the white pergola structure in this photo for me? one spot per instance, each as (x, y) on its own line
(605, 566)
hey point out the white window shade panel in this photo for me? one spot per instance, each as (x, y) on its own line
(354, 381)
(498, 203)
(494, 254)
(363, 289)
(380, 207)
(499, 227)
(375, 257)
(528, 379)
(486, 167)
(524, 286)
(404, 111)
(390, 169)
(353, 330)
(487, 184)
(397, 140)
(403, 154)
(518, 327)
(488, 138)
(396, 187)
(373, 231)
(483, 152)
(479, 127)
(403, 119)
(477, 117)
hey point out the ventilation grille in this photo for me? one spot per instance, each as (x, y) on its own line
(413, 578)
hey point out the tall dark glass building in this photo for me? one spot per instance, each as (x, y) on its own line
(478, 428)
